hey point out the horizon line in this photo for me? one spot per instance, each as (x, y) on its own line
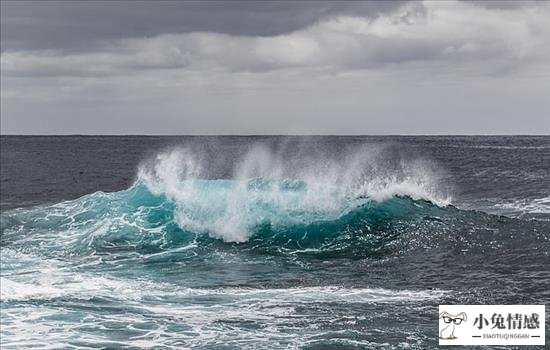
(259, 135)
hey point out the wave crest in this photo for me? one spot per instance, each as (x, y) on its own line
(281, 190)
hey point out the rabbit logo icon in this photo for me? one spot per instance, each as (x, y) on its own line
(450, 322)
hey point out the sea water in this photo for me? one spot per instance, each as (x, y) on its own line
(265, 242)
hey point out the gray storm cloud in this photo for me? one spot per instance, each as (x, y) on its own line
(415, 32)
(448, 50)
(81, 25)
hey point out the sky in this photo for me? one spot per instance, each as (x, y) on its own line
(338, 68)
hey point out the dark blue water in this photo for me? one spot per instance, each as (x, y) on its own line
(265, 242)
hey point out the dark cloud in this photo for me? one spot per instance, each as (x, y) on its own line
(434, 33)
(81, 25)
(502, 4)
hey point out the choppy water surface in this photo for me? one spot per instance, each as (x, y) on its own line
(217, 242)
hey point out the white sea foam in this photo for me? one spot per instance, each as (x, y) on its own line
(171, 315)
(83, 286)
(175, 317)
(11, 290)
(269, 187)
(521, 206)
(47, 279)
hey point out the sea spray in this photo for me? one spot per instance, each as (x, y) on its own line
(283, 187)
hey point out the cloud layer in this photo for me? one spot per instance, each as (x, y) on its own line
(430, 44)
(452, 33)
(77, 25)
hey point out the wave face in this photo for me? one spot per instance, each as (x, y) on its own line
(282, 252)
(265, 194)
(275, 215)
(308, 203)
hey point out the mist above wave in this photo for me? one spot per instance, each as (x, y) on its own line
(283, 186)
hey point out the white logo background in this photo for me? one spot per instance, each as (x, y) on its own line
(492, 324)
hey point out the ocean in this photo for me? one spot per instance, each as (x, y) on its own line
(265, 242)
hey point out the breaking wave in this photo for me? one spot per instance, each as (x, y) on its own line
(266, 193)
